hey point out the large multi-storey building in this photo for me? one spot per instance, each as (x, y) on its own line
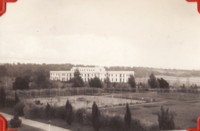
(88, 73)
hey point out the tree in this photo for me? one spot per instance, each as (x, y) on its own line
(40, 79)
(95, 117)
(3, 71)
(17, 100)
(163, 83)
(21, 83)
(127, 118)
(131, 81)
(2, 97)
(153, 82)
(108, 83)
(69, 113)
(47, 111)
(166, 119)
(95, 82)
(77, 81)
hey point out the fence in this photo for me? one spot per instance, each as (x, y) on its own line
(176, 90)
(36, 93)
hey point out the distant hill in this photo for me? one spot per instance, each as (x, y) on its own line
(146, 71)
(21, 69)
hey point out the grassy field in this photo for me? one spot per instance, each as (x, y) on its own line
(185, 106)
(83, 101)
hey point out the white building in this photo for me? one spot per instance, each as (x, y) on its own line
(88, 73)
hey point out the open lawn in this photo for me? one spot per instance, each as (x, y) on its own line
(144, 107)
(185, 106)
(83, 101)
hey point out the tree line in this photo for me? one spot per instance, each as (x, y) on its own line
(37, 76)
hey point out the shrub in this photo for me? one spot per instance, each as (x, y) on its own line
(47, 111)
(116, 123)
(19, 109)
(37, 102)
(2, 97)
(69, 113)
(166, 120)
(60, 112)
(104, 120)
(95, 117)
(154, 128)
(95, 82)
(88, 119)
(80, 115)
(137, 126)
(17, 100)
(15, 122)
(9, 102)
(127, 118)
(32, 111)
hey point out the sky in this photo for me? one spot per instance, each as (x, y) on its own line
(147, 33)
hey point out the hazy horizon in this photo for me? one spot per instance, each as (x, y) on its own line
(148, 33)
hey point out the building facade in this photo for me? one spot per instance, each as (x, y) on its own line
(88, 73)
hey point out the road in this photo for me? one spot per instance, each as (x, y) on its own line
(36, 124)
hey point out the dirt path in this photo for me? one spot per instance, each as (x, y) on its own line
(36, 124)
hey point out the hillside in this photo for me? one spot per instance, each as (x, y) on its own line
(20, 69)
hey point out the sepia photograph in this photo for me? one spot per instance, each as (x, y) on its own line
(100, 65)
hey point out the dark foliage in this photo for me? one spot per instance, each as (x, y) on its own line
(163, 83)
(17, 100)
(40, 79)
(21, 83)
(95, 82)
(127, 118)
(19, 109)
(153, 82)
(15, 122)
(2, 97)
(10, 102)
(116, 123)
(3, 71)
(48, 111)
(80, 115)
(107, 82)
(166, 119)
(95, 117)
(60, 112)
(131, 81)
(77, 81)
(32, 111)
(69, 113)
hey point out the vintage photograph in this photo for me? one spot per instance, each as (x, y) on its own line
(100, 65)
